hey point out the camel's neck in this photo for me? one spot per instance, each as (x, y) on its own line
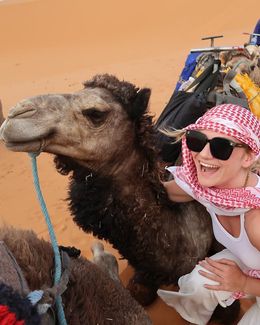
(132, 173)
(135, 174)
(98, 201)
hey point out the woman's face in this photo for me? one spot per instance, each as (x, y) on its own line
(213, 172)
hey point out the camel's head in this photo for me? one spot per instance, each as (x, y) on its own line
(92, 126)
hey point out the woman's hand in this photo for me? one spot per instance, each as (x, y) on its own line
(224, 271)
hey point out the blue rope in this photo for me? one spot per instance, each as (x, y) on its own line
(57, 258)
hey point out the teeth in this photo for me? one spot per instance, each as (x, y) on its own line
(207, 165)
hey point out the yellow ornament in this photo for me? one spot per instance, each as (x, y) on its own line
(251, 91)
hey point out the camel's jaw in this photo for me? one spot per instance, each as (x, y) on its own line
(22, 139)
(31, 146)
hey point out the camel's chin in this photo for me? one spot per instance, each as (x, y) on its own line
(30, 146)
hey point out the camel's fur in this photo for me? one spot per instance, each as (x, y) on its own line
(103, 136)
(91, 297)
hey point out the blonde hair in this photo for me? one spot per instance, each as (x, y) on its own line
(176, 135)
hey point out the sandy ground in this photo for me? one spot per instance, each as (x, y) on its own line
(53, 45)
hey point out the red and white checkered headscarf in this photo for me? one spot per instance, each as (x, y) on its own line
(234, 121)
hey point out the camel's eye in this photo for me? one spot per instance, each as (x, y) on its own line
(95, 116)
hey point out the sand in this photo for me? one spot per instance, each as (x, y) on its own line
(52, 46)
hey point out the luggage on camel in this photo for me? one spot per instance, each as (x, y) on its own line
(232, 92)
(184, 108)
(255, 37)
(188, 69)
(212, 87)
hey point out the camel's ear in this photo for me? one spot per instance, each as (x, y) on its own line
(140, 103)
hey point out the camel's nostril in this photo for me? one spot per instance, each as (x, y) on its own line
(21, 112)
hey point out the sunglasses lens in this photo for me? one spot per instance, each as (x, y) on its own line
(221, 148)
(195, 140)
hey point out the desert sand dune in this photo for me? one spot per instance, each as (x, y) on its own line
(52, 46)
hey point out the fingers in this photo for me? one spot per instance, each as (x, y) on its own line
(211, 276)
(214, 287)
(227, 261)
(214, 263)
(211, 268)
(221, 263)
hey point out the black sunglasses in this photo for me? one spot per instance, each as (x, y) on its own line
(220, 148)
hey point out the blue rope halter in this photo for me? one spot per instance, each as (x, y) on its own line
(57, 258)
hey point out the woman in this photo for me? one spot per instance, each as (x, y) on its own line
(219, 152)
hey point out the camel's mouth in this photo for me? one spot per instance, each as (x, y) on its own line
(24, 141)
(27, 146)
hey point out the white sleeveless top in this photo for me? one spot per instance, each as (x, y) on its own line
(239, 246)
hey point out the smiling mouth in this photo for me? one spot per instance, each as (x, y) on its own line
(208, 167)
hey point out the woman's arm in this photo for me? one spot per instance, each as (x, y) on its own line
(175, 193)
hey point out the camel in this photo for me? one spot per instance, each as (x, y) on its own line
(91, 297)
(103, 136)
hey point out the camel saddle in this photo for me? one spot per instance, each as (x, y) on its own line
(10, 272)
(12, 275)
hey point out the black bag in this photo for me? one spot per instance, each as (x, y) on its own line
(185, 108)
